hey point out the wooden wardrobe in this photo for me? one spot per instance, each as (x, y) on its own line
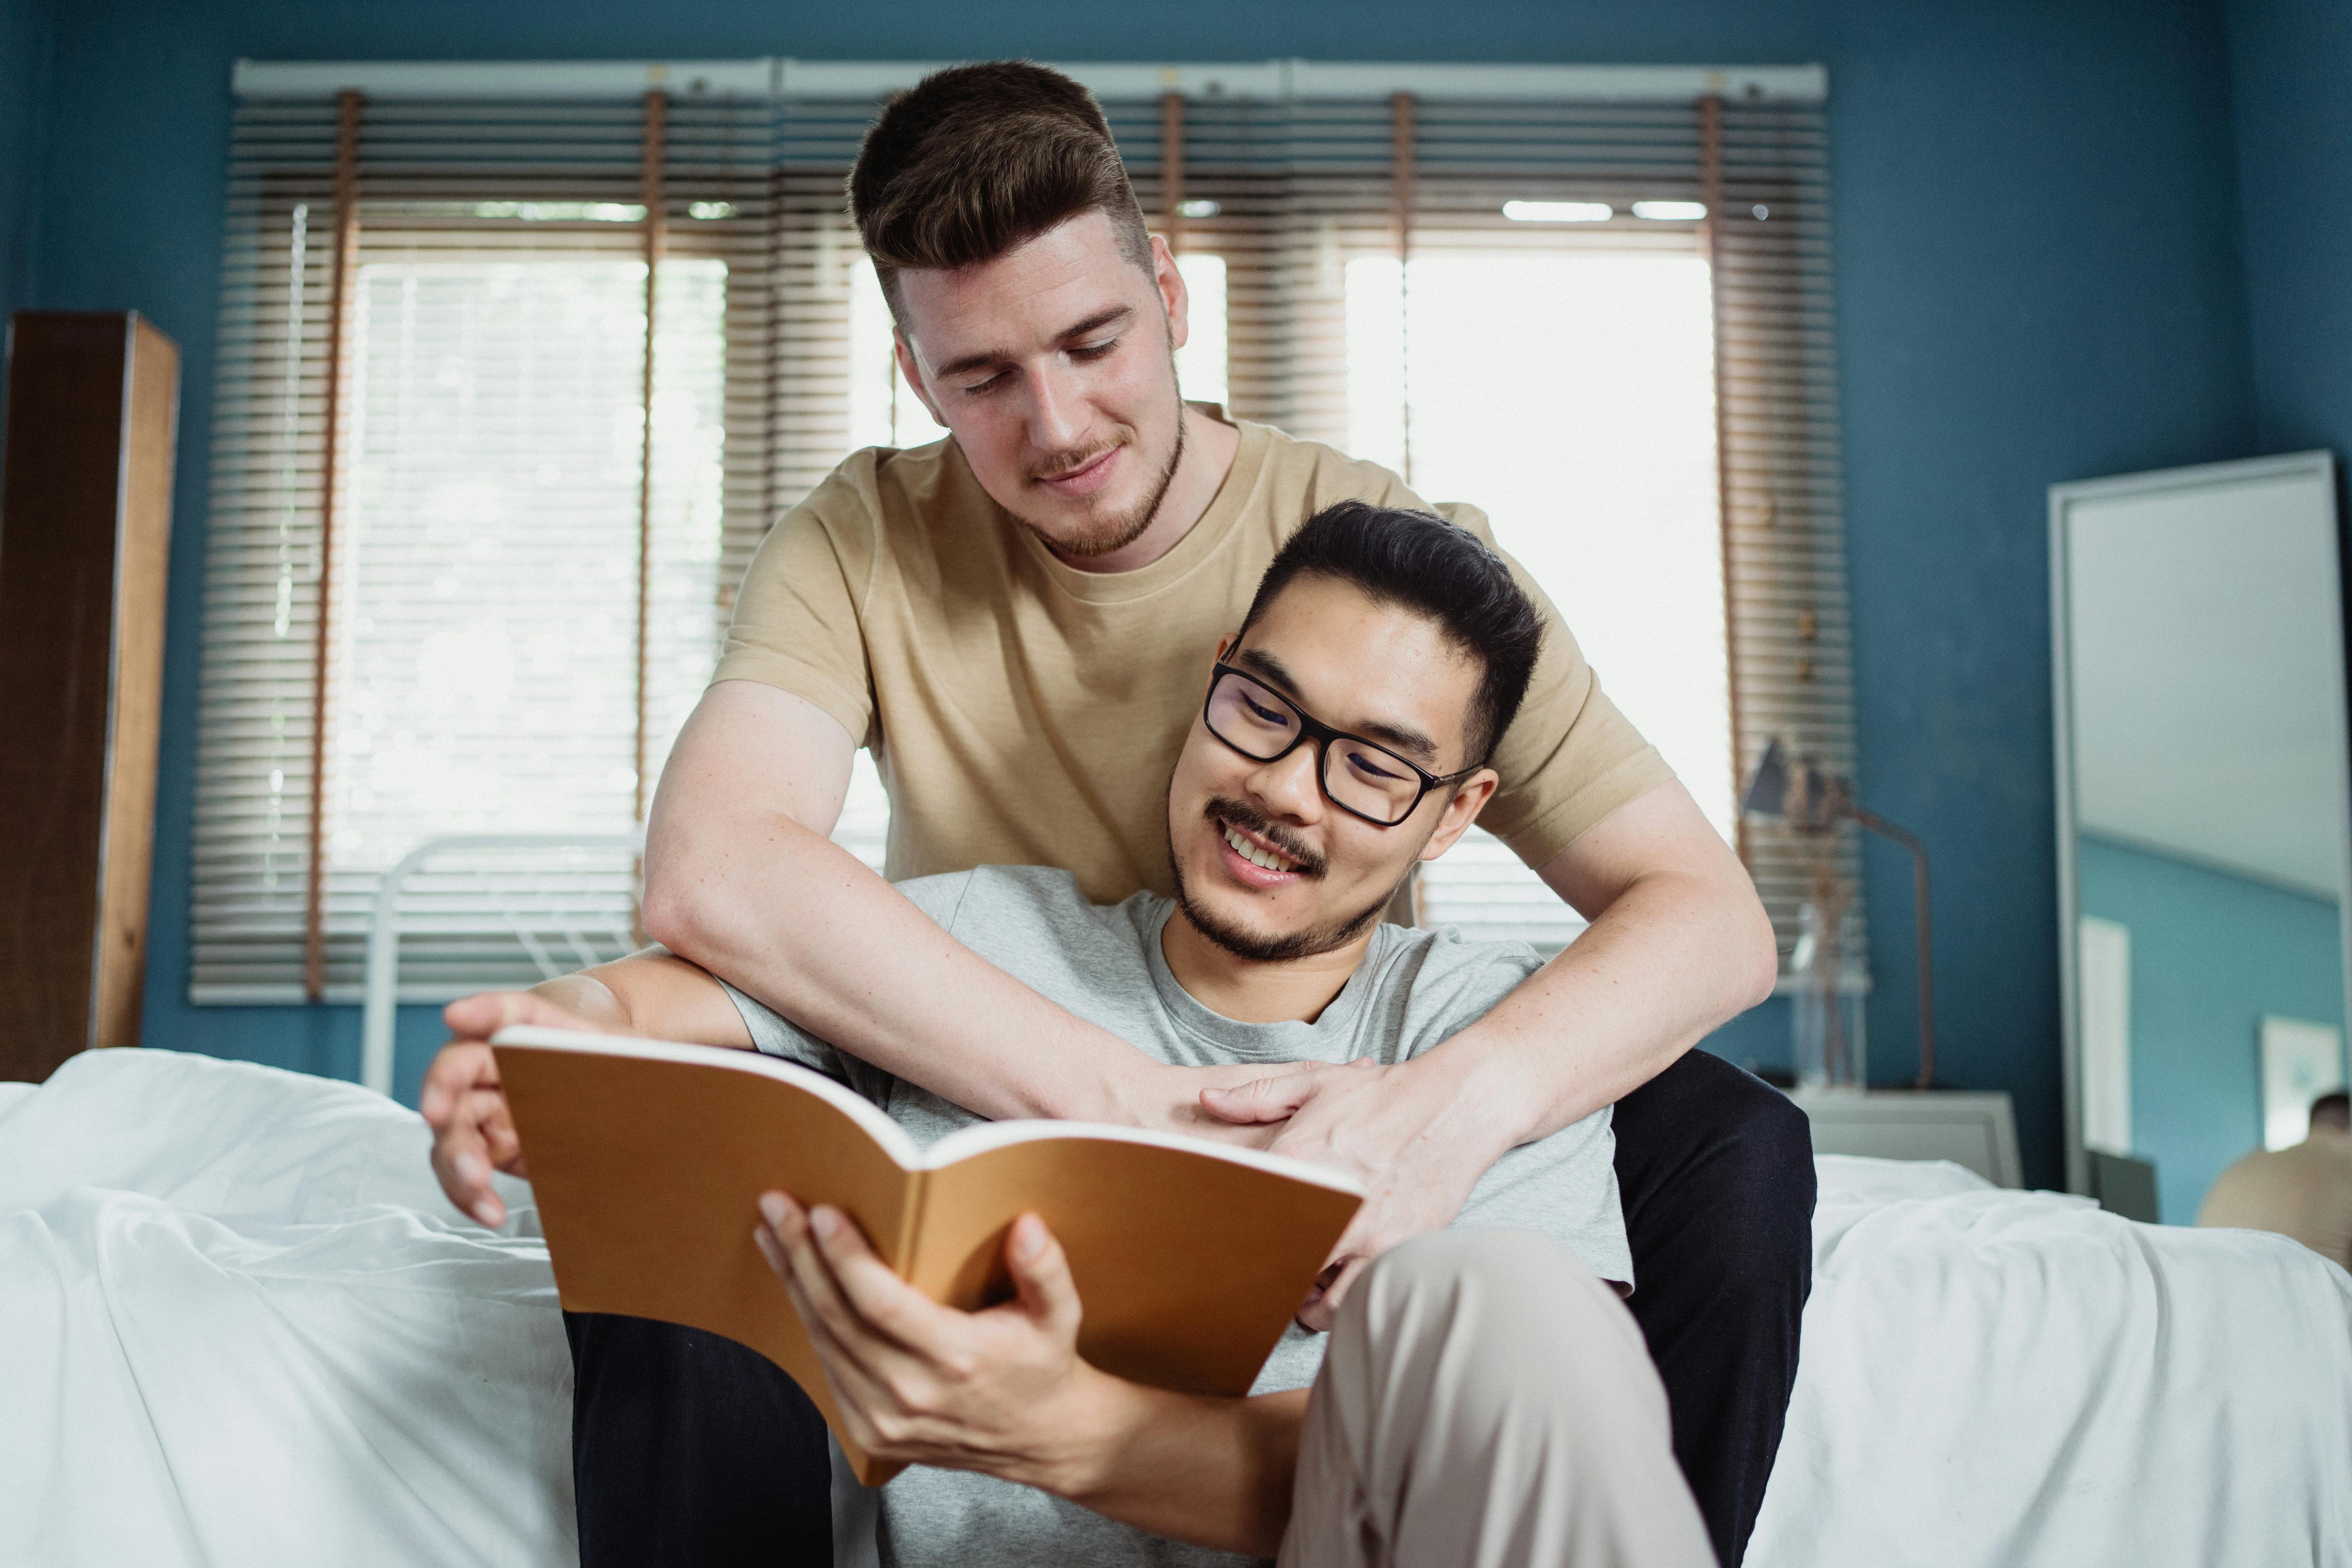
(85, 537)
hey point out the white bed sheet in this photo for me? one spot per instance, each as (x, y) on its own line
(239, 1326)
(1996, 1378)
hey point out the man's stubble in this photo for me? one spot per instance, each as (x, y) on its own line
(1248, 944)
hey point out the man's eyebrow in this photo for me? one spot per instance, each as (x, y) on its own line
(986, 357)
(1402, 737)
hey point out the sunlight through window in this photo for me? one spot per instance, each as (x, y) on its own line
(1571, 395)
(883, 411)
(485, 662)
(1201, 363)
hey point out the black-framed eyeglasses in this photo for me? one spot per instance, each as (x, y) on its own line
(1362, 778)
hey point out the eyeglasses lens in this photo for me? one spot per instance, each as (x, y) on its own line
(1359, 775)
(1366, 779)
(1250, 718)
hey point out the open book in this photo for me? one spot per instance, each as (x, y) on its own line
(648, 1160)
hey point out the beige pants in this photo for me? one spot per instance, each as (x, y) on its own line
(1486, 1402)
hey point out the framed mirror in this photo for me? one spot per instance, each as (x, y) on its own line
(2204, 823)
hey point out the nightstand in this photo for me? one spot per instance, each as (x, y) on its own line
(1968, 1128)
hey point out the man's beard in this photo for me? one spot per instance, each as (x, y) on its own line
(1261, 949)
(1103, 537)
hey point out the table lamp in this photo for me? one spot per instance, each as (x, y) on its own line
(1794, 791)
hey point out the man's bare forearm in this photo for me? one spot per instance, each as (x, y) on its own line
(1675, 952)
(847, 957)
(741, 878)
(1649, 980)
(1212, 1472)
(590, 1000)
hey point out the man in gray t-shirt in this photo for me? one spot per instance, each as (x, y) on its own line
(1412, 989)
(1480, 1397)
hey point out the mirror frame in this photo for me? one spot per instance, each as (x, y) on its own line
(2319, 466)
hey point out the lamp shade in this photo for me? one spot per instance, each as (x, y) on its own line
(1767, 786)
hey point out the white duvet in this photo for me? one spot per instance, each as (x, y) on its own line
(238, 1326)
(1994, 1377)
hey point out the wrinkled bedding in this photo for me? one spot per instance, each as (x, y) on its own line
(240, 1326)
(1995, 1377)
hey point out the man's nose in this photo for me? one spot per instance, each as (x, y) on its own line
(1057, 412)
(1288, 785)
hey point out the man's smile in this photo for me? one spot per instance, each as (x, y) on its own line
(1085, 479)
(1258, 855)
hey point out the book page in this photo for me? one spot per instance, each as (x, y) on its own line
(1190, 1264)
(983, 1136)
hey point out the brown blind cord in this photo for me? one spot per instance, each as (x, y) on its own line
(347, 231)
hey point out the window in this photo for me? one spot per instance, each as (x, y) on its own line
(525, 574)
(1570, 394)
(1523, 292)
(484, 673)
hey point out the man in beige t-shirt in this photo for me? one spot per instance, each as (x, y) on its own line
(1020, 622)
(2305, 1192)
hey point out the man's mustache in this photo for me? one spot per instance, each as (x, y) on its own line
(1058, 468)
(1239, 815)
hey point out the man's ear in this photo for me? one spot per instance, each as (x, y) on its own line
(1468, 801)
(913, 370)
(1225, 646)
(1174, 298)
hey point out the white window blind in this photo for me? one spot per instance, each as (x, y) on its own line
(1355, 280)
(491, 496)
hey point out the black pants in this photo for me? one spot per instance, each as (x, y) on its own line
(688, 1450)
(1715, 1168)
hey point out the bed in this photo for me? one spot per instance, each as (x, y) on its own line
(238, 1325)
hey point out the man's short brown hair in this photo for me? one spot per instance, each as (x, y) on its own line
(979, 159)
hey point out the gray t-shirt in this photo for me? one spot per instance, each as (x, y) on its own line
(1103, 964)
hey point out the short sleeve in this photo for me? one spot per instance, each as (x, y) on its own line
(798, 622)
(773, 1034)
(1570, 758)
(1454, 981)
(942, 897)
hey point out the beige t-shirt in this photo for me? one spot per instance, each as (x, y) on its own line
(1022, 712)
(2305, 1192)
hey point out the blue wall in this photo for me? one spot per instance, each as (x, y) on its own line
(2290, 66)
(2211, 955)
(2039, 280)
(25, 50)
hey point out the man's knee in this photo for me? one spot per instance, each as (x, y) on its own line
(689, 1448)
(1771, 1133)
(1509, 1301)
(1713, 1156)
(1482, 1332)
(1767, 1161)
(648, 1385)
(1510, 1262)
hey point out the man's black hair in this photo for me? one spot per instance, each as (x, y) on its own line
(2333, 1109)
(1424, 563)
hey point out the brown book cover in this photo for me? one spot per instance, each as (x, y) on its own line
(647, 1160)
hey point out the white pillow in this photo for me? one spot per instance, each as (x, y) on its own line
(1854, 1179)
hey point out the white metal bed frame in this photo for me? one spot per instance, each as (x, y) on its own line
(382, 973)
